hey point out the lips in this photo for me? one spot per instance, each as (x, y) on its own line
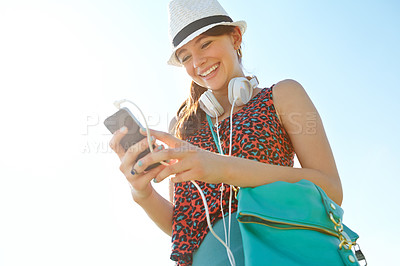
(209, 71)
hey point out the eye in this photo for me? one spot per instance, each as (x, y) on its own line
(185, 58)
(206, 44)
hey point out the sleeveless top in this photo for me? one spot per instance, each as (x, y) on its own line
(257, 135)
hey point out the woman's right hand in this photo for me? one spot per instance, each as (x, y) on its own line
(140, 182)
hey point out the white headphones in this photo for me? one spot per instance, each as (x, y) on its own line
(239, 88)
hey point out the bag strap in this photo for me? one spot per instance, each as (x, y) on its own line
(335, 213)
(331, 207)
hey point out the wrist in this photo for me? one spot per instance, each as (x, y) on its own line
(141, 197)
(226, 169)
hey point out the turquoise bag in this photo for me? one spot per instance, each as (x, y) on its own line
(293, 224)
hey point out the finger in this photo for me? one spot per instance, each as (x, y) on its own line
(115, 142)
(167, 138)
(139, 167)
(155, 157)
(145, 177)
(179, 167)
(159, 148)
(184, 177)
(132, 154)
(154, 172)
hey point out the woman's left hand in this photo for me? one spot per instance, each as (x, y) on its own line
(186, 161)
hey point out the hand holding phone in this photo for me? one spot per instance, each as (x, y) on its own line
(125, 118)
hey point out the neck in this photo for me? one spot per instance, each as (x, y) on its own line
(222, 98)
(222, 95)
(224, 101)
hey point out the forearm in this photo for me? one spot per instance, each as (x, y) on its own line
(159, 210)
(248, 173)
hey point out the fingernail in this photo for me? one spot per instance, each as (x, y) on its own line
(159, 148)
(133, 172)
(140, 163)
(154, 180)
(122, 129)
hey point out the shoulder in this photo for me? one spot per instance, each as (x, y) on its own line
(287, 94)
(287, 87)
(288, 84)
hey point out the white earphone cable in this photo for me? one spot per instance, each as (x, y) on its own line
(227, 235)
(231, 187)
(230, 131)
(230, 255)
(117, 104)
(222, 188)
(231, 258)
(217, 128)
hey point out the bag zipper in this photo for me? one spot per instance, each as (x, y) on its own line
(281, 225)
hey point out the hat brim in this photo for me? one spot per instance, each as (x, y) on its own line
(175, 62)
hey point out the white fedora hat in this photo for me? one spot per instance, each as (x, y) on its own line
(190, 18)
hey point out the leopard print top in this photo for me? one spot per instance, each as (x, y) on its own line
(257, 135)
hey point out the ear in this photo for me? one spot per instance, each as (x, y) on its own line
(236, 38)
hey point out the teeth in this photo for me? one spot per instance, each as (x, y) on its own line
(209, 71)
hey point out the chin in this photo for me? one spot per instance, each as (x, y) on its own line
(214, 85)
(218, 86)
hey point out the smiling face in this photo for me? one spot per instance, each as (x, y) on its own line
(212, 61)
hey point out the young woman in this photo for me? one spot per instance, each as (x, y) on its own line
(267, 131)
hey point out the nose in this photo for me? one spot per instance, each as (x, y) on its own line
(198, 60)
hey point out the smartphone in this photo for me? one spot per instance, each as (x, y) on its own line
(124, 117)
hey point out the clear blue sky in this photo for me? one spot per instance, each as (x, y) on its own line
(63, 200)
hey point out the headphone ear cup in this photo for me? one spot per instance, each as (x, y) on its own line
(240, 89)
(210, 105)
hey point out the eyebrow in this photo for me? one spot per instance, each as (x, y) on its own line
(197, 41)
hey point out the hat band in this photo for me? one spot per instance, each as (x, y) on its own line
(198, 24)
